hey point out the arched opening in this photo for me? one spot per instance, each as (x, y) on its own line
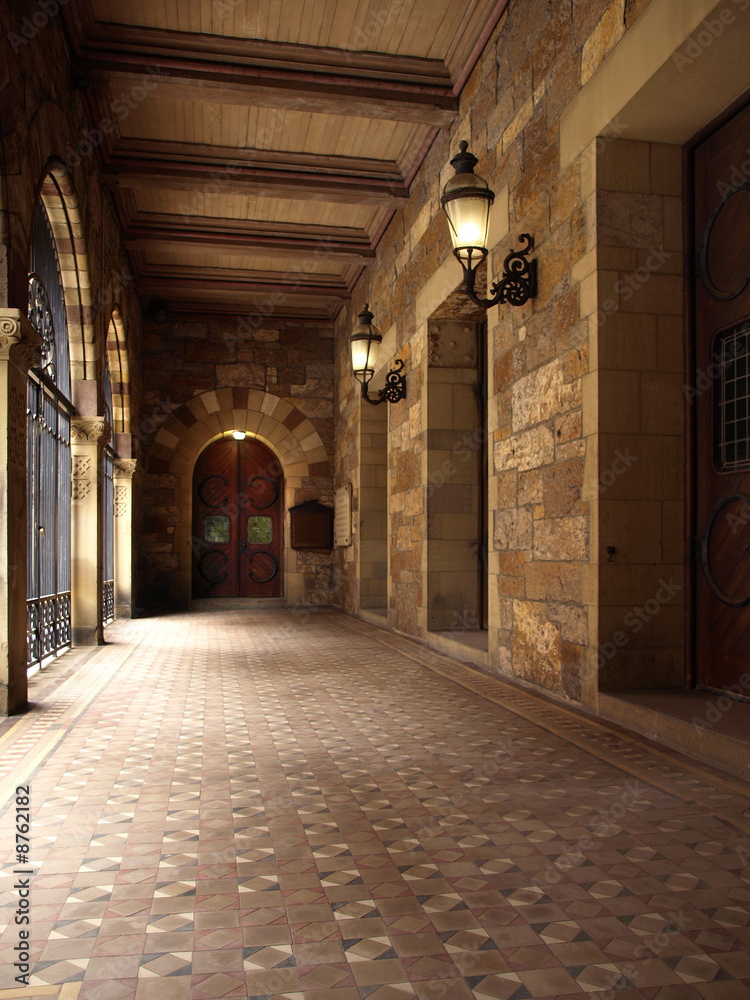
(49, 465)
(63, 453)
(237, 542)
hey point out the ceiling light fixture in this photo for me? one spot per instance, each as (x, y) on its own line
(365, 342)
(467, 200)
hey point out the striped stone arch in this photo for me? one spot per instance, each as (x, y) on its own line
(119, 370)
(205, 418)
(61, 202)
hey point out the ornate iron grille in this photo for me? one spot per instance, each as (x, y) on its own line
(732, 423)
(48, 413)
(47, 302)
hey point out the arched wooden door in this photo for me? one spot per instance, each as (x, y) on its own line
(722, 402)
(237, 521)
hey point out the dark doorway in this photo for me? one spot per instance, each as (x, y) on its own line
(237, 521)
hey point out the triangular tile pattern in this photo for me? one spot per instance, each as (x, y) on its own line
(257, 805)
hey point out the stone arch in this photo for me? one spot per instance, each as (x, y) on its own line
(64, 212)
(119, 370)
(274, 421)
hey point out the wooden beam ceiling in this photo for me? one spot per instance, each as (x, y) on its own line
(191, 94)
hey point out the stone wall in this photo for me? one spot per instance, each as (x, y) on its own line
(638, 483)
(540, 523)
(276, 381)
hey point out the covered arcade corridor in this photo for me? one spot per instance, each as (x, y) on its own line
(300, 805)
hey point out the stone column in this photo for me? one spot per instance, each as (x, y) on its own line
(88, 436)
(19, 349)
(127, 471)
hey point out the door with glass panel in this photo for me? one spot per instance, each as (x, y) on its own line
(237, 521)
(721, 401)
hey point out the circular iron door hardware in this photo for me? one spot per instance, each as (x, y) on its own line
(262, 567)
(218, 560)
(722, 554)
(40, 317)
(725, 274)
(204, 488)
(267, 490)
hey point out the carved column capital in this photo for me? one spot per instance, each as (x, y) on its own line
(126, 468)
(89, 430)
(19, 341)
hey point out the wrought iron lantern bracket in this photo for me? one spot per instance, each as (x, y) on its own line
(394, 390)
(518, 283)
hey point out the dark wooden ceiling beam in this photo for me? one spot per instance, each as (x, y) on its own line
(89, 36)
(218, 157)
(250, 86)
(148, 238)
(200, 179)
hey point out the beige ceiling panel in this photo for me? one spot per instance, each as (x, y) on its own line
(161, 118)
(422, 28)
(218, 206)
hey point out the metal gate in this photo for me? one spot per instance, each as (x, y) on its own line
(48, 512)
(108, 540)
(48, 413)
(108, 505)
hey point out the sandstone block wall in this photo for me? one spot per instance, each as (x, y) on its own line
(637, 408)
(541, 525)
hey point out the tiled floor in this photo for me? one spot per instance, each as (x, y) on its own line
(270, 805)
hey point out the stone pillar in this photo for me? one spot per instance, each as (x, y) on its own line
(19, 349)
(127, 471)
(88, 436)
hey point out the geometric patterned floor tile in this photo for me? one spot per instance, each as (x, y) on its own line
(257, 805)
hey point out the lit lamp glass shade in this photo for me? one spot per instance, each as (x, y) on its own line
(366, 340)
(467, 201)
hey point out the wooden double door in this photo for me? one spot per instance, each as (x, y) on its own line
(237, 521)
(720, 395)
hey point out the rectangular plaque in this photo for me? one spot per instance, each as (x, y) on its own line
(342, 516)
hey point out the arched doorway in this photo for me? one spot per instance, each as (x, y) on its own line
(237, 521)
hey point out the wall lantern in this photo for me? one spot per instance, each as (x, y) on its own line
(467, 201)
(366, 340)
